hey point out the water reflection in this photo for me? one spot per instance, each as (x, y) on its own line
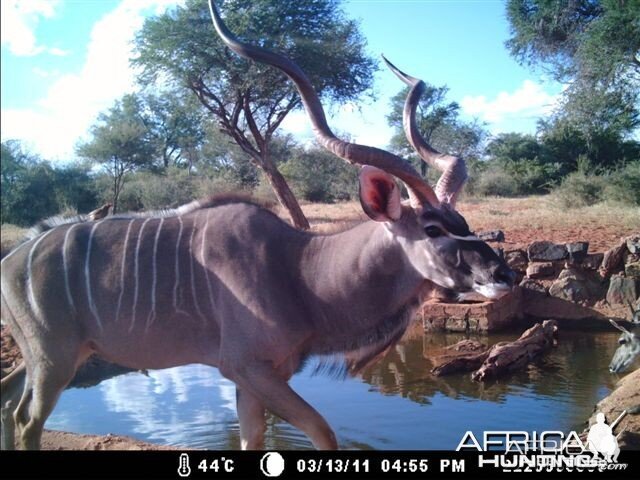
(397, 404)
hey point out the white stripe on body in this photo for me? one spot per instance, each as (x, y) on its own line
(65, 265)
(193, 276)
(87, 276)
(152, 313)
(176, 303)
(122, 267)
(204, 266)
(136, 272)
(35, 308)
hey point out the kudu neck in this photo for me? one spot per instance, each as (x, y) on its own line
(358, 277)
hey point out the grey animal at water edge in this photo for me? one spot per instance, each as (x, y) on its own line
(635, 312)
(227, 283)
(627, 352)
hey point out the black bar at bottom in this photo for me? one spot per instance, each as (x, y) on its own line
(297, 464)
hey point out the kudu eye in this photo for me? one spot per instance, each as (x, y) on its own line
(622, 341)
(433, 231)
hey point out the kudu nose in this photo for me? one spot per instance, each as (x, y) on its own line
(503, 274)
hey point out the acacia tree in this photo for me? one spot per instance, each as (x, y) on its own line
(593, 46)
(176, 126)
(249, 101)
(439, 124)
(121, 143)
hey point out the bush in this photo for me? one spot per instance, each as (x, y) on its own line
(579, 189)
(170, 190)
(495, 182)
(319, 176)
(623, 185)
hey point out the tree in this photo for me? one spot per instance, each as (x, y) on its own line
(439, 124)
(249, 101)
(33, 189)
(592, 45)
(524, 160)
(319, 176)
(121, 142)
(176, 126)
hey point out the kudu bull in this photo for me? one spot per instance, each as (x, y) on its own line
(228, 284)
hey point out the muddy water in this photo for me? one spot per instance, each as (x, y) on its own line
(396, 404)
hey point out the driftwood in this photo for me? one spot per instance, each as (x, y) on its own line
(503, 357)
(464, 356)
(506, 357)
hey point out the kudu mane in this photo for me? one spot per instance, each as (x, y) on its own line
(207, 202)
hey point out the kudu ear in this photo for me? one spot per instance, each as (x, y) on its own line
(379, 195)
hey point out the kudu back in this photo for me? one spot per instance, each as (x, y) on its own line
(227, 283)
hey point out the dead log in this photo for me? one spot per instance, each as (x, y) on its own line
(464, 356)
(506, 357)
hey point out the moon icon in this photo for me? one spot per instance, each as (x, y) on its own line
(272, 464)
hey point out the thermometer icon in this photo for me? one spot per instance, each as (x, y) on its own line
(184, 470)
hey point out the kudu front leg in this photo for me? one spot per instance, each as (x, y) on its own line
(272, 391)
(252, 422)
(12, 387)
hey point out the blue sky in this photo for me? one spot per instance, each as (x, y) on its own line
(65, 61)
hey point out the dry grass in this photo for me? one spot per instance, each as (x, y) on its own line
(11, 235)
(522, 219)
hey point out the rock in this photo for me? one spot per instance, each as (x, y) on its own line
(632, 269)
(622, 290)
(529, 284)
(612, 261)
(576, 286)
(626, 396)
(633, 244)
(517, 260)
(592, 261)
(546, 252)
(540, 270)
(491, 236)
(577, 251)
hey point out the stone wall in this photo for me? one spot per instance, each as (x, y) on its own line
(560, 281)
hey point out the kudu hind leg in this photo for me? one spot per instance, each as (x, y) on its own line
(278, 397)
(252, 422)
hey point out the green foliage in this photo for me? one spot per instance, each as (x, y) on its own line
(591, 45)
(589, 39)
(318, 176)
(121, 143)
(517, 164)
(582, 189)
(176, 124)
(439, 124)
(249, 100)
(494, 182)
(564, 142)
(624, 185)
(579, 189)
(33, 189)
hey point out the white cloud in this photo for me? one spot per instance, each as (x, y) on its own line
(529, 100)
(19, 19)
(56, 122)
(365, 124)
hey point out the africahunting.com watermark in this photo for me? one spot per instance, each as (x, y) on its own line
(520, 451)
